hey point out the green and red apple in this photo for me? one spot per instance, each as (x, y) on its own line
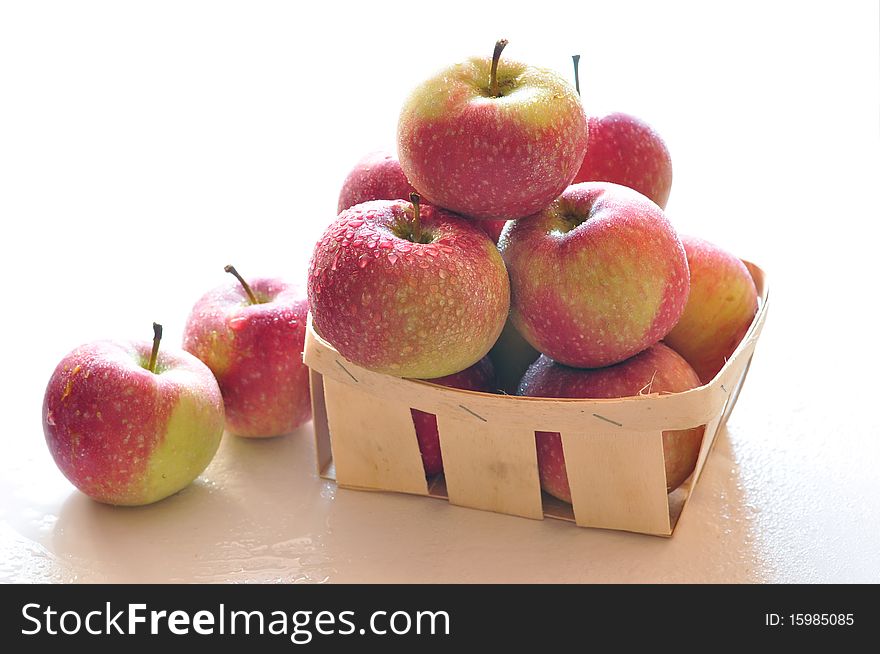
(722, 304)
(407, 290)
(128, 424)
(492, 138)
(596, 277)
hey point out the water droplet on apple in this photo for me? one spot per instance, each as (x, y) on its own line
(355, 222)
(363, 261)
(392, 258)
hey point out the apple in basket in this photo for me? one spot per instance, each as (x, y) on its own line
(624, 149)
(479, 377)
(596, 277)
(407, 289)
(492, 138)
(656, 370)
(721, 306)
(378, 176)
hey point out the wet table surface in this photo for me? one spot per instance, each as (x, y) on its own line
(132, 173)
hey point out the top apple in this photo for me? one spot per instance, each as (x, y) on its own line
(492, 138)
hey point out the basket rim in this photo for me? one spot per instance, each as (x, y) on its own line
(666, 406)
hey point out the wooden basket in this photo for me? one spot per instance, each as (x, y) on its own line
(365, 439)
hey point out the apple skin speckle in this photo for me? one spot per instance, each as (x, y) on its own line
(405, 308)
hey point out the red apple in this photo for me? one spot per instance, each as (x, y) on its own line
(721, 306)
(128, 424)
(479, 377)
(406, 290)
(656, 370)
(625, 150)
(251, 335)
(493, 228)
(492, 139)
(378, 176)
(596, 277)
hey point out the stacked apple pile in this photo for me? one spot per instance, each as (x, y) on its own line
(587, 278)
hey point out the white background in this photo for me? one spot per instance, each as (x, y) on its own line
(145, 145)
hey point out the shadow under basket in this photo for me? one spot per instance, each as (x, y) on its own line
(365, 439)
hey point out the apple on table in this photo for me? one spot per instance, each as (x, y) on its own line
(656, 370)
(129, 424)
(492, 138)
(596, 277)
(251, 335)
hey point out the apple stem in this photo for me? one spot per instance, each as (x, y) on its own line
(577, 77)
(154, 355)
(493, 73)
(416, 219)
(247, 289)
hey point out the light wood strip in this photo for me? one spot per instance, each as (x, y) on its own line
(489, 466)
(373, 440)
(617, 479)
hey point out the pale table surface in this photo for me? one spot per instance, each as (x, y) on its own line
(141, 149)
